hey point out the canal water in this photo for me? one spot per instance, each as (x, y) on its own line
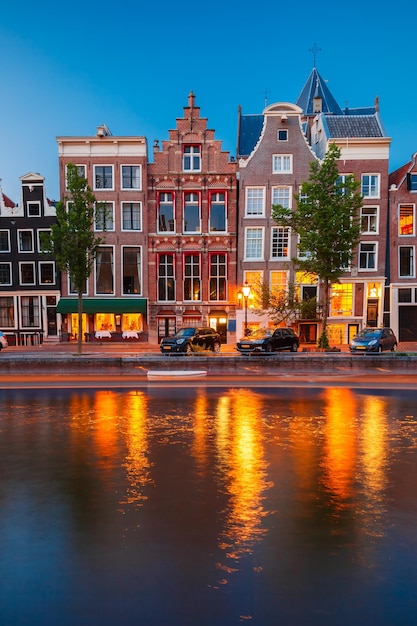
(208, 507)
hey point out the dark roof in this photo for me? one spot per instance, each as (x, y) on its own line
(250, 127)
(316, 86)
(396, 177)
(354, 126)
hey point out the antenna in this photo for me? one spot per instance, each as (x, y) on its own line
(266, 92)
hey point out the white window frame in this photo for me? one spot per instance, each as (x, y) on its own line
(255, 202)
(369, 220)
(25, 230)
(412, 262)
(109, 217)
(101, 165)
(191, 203)
(3, 230)
(282, 163)
(260, 246)
(140, 270)
(133, 187)
(285, 132)
(32, 263)
(374, 188)
(106, 293)
(81, 169)
(360, 252)
(279, 234)
(122, 218)
(10, 274)
(41, 264)
(413, 206)
(36, 308)
(162, 201)
(31, 213)
(42, 230)
(275, 192)
(194, 153)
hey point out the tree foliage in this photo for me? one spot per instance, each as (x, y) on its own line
(327, 220)
(73, 242)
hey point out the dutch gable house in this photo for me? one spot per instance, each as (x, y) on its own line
(402, 250)
(29, 280)
(192, 230)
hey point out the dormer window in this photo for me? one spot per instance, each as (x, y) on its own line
(191, 159)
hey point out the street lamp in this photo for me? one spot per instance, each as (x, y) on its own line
(246, 293)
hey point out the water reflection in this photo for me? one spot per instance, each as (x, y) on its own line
(207, 506)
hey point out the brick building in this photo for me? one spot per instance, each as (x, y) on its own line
(191, 205)
(115, 299)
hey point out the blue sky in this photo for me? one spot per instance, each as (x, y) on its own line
(67, 68)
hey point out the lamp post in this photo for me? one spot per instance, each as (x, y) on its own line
(246, 293)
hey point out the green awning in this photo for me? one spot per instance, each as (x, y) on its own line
(103, 305)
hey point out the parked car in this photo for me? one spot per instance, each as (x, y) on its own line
(192, 339)
(373, 340)
(3, 340)
(266, 340)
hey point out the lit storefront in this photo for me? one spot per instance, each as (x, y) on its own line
(111, 318)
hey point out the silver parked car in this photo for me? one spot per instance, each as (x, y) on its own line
(373, 340)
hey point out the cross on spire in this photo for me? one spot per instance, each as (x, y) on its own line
(314, 51)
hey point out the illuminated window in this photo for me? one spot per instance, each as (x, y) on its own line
(341, 301)
(280, 242)
(192, 280)
(406, 220)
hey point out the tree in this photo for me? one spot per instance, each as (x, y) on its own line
(72, 241)
(327, 220)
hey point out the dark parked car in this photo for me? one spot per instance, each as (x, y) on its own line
(192, 339)
(373, 340)
(264, 340)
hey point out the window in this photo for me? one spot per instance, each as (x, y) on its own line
(282, 196)
(5, 273)
(255, 280)
(81, 171)
(369, 219)
(191, 159)
(131, 268)
(341, 301)
(30, 311)
(278, 284)
(406, 261)
(191, 213)
(166, 280)
(282, 135)
(103, 177)
(131, 216)
(370, 185)
(25, 240)
(27, 273)
(217, 212)
(104, 271)
(412, 182)
(340, 183)
(254, 239)
(192, 280)
(166, 222)
(281, 163)
(46, 273)
(218, 277)
(367, 256)
(4, 241)
(104, 217)
(406, 220)
(73, 290)
(255, 202)
(44, 237)
(6, 311)
(280, 242)
(34, 209)
(131, 177)
(405, 295)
